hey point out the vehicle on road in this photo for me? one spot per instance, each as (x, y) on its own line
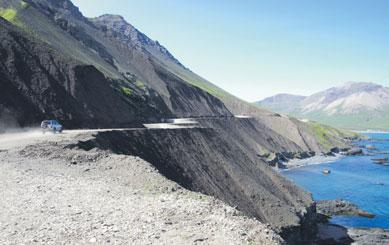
(51, 125)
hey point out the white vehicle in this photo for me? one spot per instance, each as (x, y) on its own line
(51, 125)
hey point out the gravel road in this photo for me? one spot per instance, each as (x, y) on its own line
(50, 194)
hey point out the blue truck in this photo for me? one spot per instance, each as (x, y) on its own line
(51, 126)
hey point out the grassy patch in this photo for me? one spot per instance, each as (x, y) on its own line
(208, 88)
(363, 120)
(140, 85)
(204, 85)
(10, 15)
(376, 120)
(126, 91)
(321, 133)
(327, 136)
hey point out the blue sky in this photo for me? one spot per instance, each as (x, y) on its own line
(255, 48)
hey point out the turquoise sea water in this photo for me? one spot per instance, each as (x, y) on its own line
(356, 179)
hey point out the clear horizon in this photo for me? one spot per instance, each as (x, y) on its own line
(258, 49)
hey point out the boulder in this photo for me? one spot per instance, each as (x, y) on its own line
(353, 152)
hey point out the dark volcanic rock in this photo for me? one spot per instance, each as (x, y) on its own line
(332, 234)
(341, 207)
(38, 83)
(117, 27)
(205, 160)
(335, 150)
(381, 161)
(75, 72)
(280, 158)
(353, 152)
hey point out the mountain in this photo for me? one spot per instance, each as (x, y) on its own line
(281, 102)
(51, 55)
(352, 106)
(64, 50)
(104, 73)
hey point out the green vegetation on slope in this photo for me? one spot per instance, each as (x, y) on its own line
(12, 11)
(215, 91)
(321, 133)
(199, 82)
(325, 135)
(126, 91)
(10, 15)
(140, 85)
(364, 119)
(360, 121)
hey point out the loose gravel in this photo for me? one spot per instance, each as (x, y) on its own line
(50, 194)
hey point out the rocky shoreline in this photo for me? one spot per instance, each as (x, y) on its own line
(294, 160)
(328, 233)
(335, 234)
(340, 207)
(289, 160)
(318, 159)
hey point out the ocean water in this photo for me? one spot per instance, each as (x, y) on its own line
(356, 179)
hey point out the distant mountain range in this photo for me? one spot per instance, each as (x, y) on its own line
(353, 106)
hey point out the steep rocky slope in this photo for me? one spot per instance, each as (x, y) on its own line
(116, 28)
(206, 160)
(352, 106)
(38, 82)
(56, 32)
(142, 79)
(308, 136)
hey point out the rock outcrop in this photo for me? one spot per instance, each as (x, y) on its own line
(341, 207)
